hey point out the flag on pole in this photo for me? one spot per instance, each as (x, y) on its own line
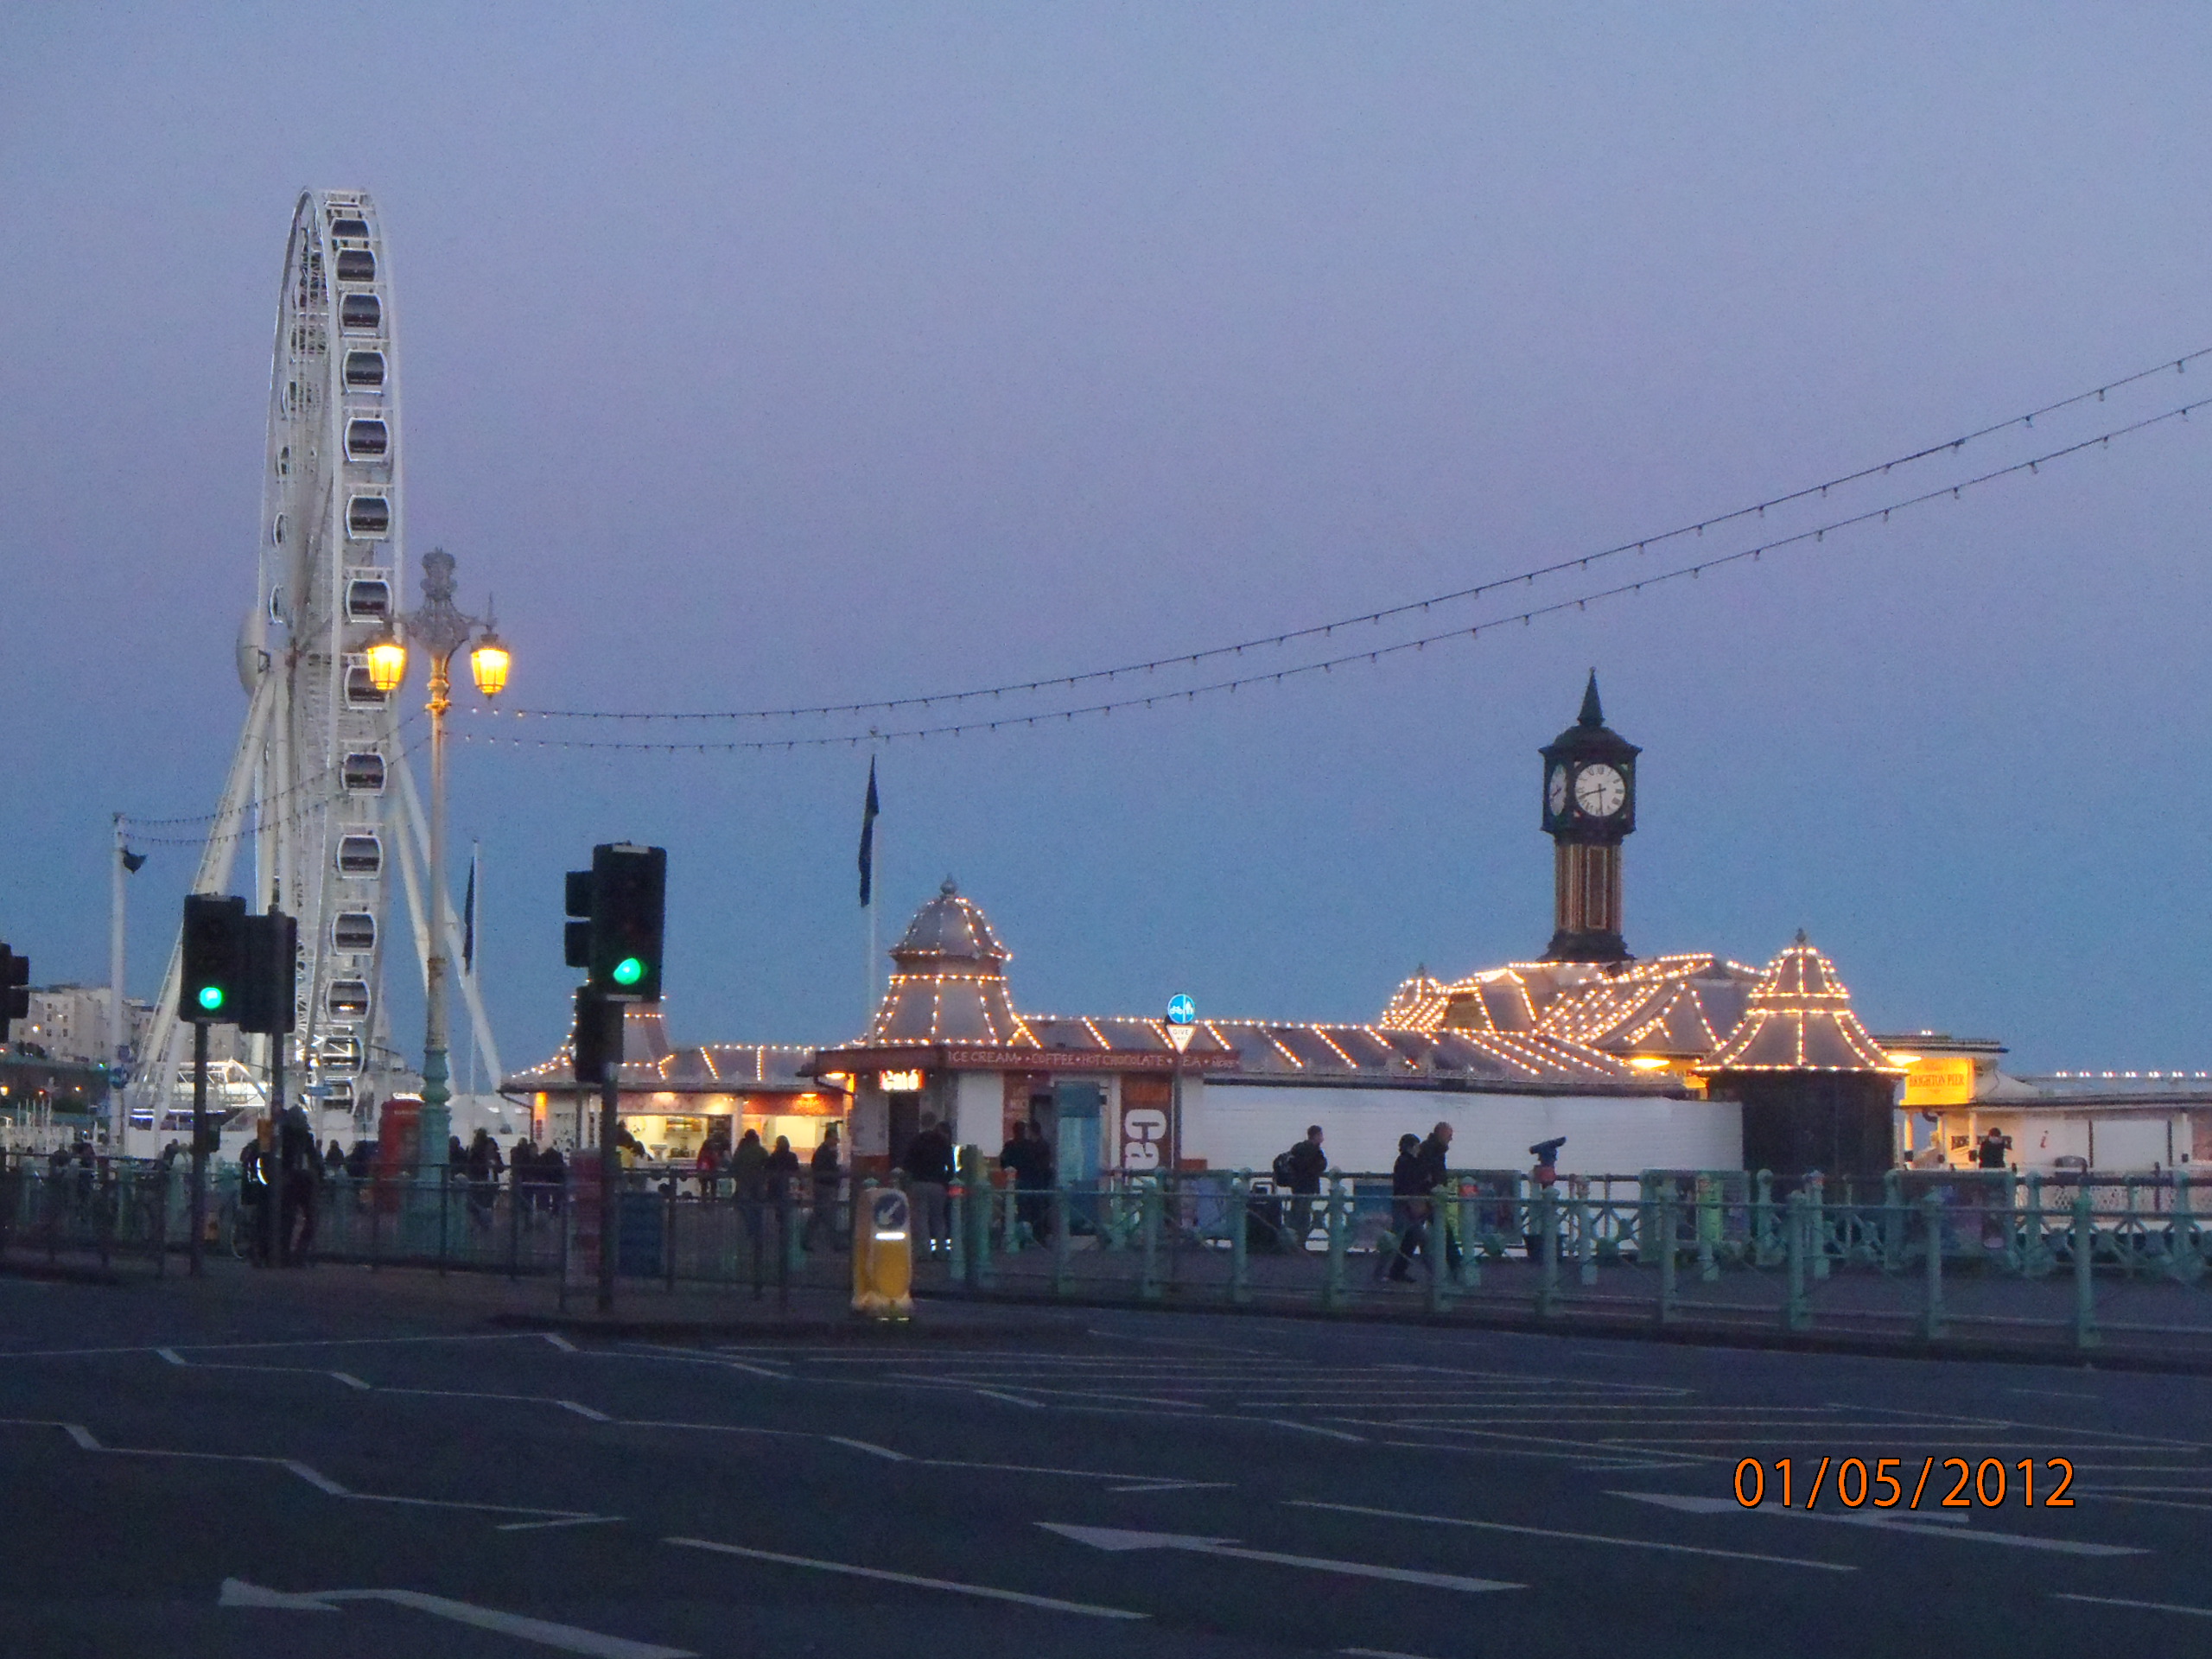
(868, 838)
(469, 917)
(132, 862)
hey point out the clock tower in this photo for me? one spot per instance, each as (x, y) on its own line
(1589, 806)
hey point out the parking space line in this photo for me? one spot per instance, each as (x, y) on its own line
(1924, 1526)
(2122, 1601)
(989, 1593)
(1577, 1537)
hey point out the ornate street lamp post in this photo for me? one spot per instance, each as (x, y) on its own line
(439, 630)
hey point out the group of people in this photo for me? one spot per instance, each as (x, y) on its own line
(755, 1174)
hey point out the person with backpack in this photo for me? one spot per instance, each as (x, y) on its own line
(1299, 1172)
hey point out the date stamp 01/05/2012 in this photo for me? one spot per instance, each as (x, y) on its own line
(1896, 1482)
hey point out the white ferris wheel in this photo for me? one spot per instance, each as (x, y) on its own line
(318, 781)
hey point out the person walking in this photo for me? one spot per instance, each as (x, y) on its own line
(1304, 1165)
(1408, 1210)
(822, 1219)
(255, 1207)
(1030, 1160)
(485, 1165)
(748, 1169)
(1435, 1158)
(928, 1165)
(301, 1173)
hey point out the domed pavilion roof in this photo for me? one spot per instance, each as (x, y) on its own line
(949, 929)
(1800, 1019)
(950, 986)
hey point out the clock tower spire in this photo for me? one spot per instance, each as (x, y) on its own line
(1589, 809)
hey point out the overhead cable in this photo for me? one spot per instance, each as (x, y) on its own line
(1183, 660)
(1574, 602)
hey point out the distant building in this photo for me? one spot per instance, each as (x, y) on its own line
(1686, 1061)
(1682, 1061)
(671, 1099)
(70, 1022)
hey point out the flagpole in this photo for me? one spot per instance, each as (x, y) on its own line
(476, 897)
(868, 1006)
(118, 1118)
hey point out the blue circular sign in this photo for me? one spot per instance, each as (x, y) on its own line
(1181, 1011)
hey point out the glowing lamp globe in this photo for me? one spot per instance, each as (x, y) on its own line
(489, 662)
(387, 665)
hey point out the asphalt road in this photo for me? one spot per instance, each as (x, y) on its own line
(189, 1475)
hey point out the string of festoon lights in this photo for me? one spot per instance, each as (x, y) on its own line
(1580, 562)
(1686, 572)
(256, 822)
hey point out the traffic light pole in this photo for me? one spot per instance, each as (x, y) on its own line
(610, 1167)
(279, 1249)
(199, 1142)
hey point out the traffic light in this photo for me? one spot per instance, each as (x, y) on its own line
(14, 989)
(269, 976)
(596, 1037)
(621, 900)
(215, 959)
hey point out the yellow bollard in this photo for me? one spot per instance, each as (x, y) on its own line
(883, 1256)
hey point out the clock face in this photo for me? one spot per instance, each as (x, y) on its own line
(1600, 790)
(1555, 791)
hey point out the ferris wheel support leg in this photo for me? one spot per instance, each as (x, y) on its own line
(157, 1077)
(410, 882)
(418, 833)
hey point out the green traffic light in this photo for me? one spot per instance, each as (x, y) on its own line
(629, 971)
(211, 997)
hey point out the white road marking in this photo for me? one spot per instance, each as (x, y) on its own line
(582, 1410)
(1176, 1486)
(1882, 1522)
(87, 1441)
(2055, 1393)
(571, 1521)
(661, 1350)
(1579, 1537)
(568, 1638)
(1576, 1451)
(1941, 1420)
(170, 1355)
(2155, 1503)
(870, 1447)
(559, 1341)
(350, 1380)
(1009, 1399)
(294, 1342)
(2121, 1601)
(989, 1593)
(1310, 1429)
(1119, 1539)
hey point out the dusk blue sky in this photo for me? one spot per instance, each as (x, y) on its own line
(770, 355)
